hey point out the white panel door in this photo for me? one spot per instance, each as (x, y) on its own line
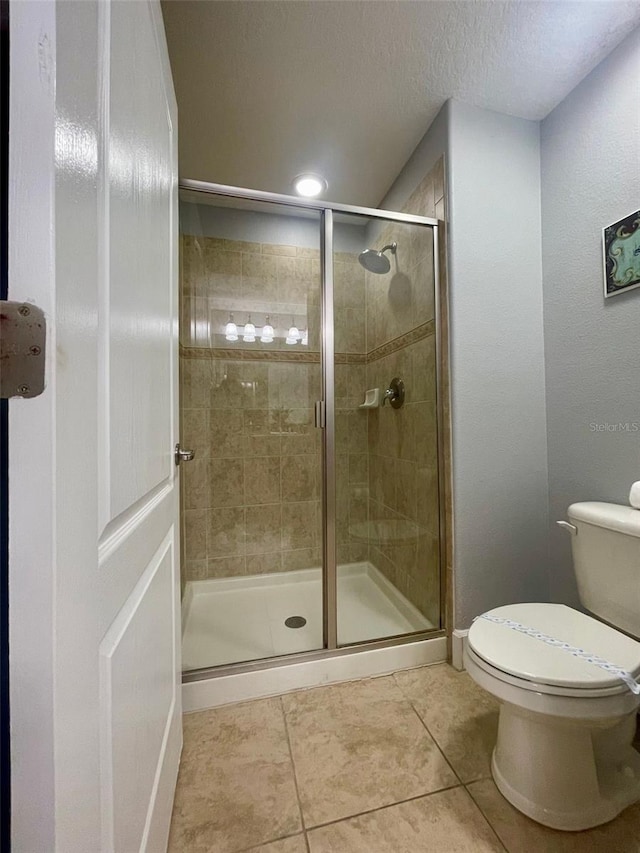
(94, 549)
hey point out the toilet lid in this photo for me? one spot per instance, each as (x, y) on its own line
(532, 658)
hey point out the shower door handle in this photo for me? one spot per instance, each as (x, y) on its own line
(320, 417)
(181, 455)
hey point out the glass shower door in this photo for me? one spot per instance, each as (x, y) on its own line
(250, 374)
(311, 513)
(387, 497)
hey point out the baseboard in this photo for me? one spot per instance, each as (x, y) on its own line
(458, 642)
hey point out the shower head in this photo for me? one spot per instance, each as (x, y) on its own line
(376, 261)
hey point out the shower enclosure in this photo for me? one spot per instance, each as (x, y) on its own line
(309, 352)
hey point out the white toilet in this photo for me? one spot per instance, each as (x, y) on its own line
(567, 715)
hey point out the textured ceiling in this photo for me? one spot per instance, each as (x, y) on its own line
(347, 88)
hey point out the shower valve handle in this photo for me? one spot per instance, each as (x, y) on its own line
(394, 393)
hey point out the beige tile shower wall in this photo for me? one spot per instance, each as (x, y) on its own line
(254, 280)
(404, 299)
(252, 494)
(352, 464)
(403, 477)
(251, 497)
(403, 463)
(352, 459)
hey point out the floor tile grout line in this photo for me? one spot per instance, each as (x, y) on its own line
(293, 768)
(489, 824)
(426, 728)
(384, 807)
(268, 841)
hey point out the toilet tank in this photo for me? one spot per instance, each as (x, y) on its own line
(606, 560)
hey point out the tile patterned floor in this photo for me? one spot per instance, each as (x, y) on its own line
(397, 764)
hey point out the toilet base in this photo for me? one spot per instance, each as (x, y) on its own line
(566, 774)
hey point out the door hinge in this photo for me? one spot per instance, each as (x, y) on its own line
(22, 349)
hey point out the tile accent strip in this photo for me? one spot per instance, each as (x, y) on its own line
(402, 341)
(350, 358)
(306, 357)
(209, 353)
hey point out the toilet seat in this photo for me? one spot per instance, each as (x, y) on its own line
(531, 663)
(546, 689)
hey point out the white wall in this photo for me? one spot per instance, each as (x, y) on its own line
(497, 361)
(590, 178)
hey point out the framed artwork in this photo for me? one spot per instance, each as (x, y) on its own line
(621, 248)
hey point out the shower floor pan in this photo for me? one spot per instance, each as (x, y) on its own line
(242, 619)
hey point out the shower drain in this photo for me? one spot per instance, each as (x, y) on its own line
(295, 622)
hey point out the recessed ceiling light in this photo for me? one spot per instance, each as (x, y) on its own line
(309, 185)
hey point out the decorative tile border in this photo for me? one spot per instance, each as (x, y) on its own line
(307, 357)
(295, 356)
(424, 330)
(214, 354)
(350, 358)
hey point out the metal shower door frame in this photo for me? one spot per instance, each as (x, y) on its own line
(325, 418)
(329, 539)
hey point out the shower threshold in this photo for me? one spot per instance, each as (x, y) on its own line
(229, 620)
